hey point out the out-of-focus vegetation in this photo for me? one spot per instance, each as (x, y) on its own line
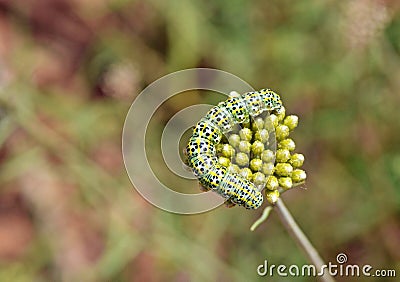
(68, 73)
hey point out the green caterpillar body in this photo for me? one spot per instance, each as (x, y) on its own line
(208, 133)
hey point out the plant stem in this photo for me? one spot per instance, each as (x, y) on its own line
(301, 239)
(263, 218)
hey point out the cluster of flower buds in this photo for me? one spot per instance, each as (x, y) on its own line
(262, 152)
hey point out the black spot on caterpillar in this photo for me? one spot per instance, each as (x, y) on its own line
(208, 132)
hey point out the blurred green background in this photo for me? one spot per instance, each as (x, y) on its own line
(69, 71)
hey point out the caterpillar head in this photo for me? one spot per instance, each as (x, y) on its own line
(272, 100)
(276, 103)
(279, 109)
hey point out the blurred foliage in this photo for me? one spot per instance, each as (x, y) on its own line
(68, 73)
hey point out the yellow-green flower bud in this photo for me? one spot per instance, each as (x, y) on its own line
(234, 140)
(282, 114)
(291, 121)
(227, 151)
(299, 175)
(242, 159)
(256, 164)
(257, 148)
(259, 179)
(272, 196)
(247, 173)
(283, 169)
(258, 124)
(244, 147)
(234, 168)
(285, 182)
(262, 135)
(282, 132)
(245, 134)
(270, 122)
(246, 124)
(219, 148)
(268, 168)
(267, 156)
(296, 160)
(224, 161)
(287, 144)
(282, 155)
(272, 183)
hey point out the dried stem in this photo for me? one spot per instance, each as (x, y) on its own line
(301, 239)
